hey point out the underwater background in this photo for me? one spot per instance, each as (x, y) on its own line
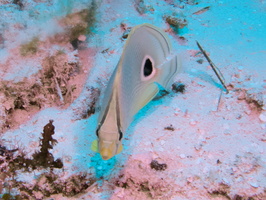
(197, 142)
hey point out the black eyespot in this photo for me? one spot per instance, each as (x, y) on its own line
(147, 67)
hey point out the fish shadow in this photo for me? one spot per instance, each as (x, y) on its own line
(206, 77)
(146, 111)
(103, 168)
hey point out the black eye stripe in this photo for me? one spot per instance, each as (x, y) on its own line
(147, 69)
(120, 135)
(118, 118)
(97, 131)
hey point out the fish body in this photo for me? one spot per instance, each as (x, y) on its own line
(146, 64)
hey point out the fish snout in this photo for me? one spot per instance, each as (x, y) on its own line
(106, 154)
(107, 149)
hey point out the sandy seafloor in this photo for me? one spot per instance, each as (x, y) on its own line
(213, 151)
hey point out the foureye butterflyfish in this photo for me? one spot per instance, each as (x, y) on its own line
(147, 63)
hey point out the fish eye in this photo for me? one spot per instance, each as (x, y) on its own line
(147, 70)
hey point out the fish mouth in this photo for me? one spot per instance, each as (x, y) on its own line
(107, 149)
(106, 154)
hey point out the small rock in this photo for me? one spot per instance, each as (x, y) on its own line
(126, 33)
(255, 185)
(226, 182)
(157, 166)
(182, 156)
(170, 128)
(176, 22)
(37, 194)
(82, 38)
(200, 61)
(262, 116)
(178, 87)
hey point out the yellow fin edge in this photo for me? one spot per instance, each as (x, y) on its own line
(94, 146)
(120, 149)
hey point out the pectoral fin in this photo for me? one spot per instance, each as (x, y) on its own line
(94, 146)
(120, 148)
